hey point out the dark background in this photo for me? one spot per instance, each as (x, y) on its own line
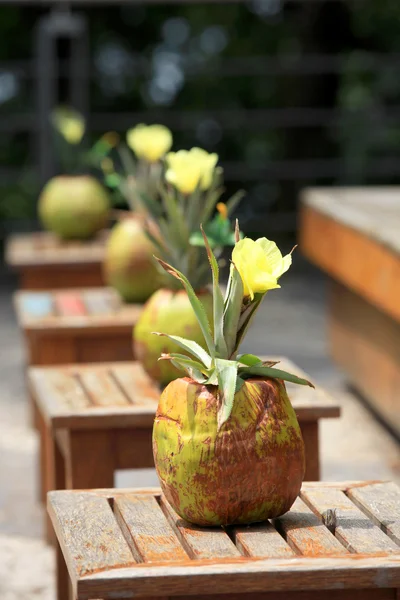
(289, 93)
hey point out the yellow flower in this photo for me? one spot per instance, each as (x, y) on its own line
(189, 168)
(70, 124)
(260, 264)
(149, 142)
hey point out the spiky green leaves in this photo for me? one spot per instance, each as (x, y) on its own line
(231, 318)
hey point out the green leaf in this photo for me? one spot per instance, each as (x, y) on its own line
(189, 346)
(227, 371)
(176, 223)
(196, 305)
(250, 360)
(232, 311)
(218, 302)
(194, 368)
(246, 372)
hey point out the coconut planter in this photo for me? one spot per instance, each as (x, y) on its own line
(168, 311)
(248, 471)
(74, 207)
(128, 265)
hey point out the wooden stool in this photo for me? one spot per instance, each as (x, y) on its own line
(45, 262)
(353, 234)
(76, 326)
(95, 419)
(131, 544)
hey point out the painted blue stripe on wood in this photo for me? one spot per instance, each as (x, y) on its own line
(37, 305)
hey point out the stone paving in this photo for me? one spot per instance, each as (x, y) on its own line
(291, 322)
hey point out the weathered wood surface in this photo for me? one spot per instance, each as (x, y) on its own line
(124, 391)
(69, 311)
(76, 326)
(365, 342)
(44, 262)
(45, 249)
(353, 235)
(118, 548)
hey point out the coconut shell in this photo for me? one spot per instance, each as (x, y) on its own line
(169, 312)
(74, 206)
(249, 471)
(128, 265)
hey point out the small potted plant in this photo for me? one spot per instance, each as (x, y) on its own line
(129, 266)
(189, 192)
(73, 206)
(227, 445)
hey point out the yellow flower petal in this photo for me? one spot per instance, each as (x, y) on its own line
(189, 169)
(70, 123)
(149, 142)
(260, 264)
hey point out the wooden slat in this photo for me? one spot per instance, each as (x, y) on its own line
(353, 528)
(57, 390)
(346, 572)
(261, 540)
(306, 534)
(90, 537)
(100, 302)
(353, 258)
(69, 304)
(381, 503)
(200, 542)
(36, 305)
(146, 529)
(136, 384)
(309, 404)
(101, 388)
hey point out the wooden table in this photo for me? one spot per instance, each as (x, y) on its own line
(44, 262)
(353, 234)
(120, 544)
(95, 419)
(76, 326)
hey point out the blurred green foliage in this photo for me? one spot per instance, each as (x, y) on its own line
(198, 58)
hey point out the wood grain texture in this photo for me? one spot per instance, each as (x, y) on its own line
(353, 528)
(310, 433)
(44, 249)
(261, 540)
(136, 384)
(316, 563)
(118, 316)
(306, 534)
(200, 542)
(276, 575)
(381, 503)
(360, 336)
(146, 529)
(309, 404)
(101, 388)
(353, 258)
(88, 533)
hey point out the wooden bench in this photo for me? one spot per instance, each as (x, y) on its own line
(76, 326)
(353, 234)
(96, 419)
(131, 544)
(45, 262)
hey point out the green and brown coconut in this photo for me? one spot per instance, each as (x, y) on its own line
(227, 445)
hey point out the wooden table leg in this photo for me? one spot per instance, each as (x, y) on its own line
(58, 481)
(62, 577)
(91, 459)
(310, 433)
(46, 475)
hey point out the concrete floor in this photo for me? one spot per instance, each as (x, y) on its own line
(291, 322)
